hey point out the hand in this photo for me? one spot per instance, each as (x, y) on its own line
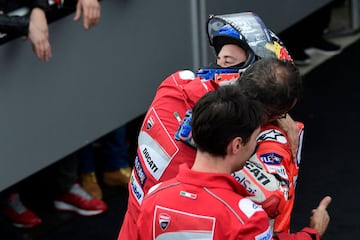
(320, 217)
(292, 131)
(90, 10)
(39, 34)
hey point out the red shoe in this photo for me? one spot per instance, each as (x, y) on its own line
(79, 201)
(19, 215)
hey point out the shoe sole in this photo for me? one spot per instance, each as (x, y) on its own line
(67, 207)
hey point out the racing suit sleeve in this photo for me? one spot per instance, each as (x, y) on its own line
(14, 24)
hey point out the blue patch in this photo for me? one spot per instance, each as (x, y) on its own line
(271, 158)
(139, 171)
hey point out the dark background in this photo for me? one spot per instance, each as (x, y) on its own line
(330, 163)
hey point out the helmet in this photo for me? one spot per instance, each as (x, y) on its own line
(249, 32)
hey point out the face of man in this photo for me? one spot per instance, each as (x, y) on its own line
(230, 55)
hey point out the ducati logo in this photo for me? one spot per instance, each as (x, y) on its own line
(164, 221)
(150, 123)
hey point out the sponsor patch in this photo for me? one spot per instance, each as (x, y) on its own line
(249, 207)
(164, 221)
(273, 135)
(139, 171)
(280, 170)
(150, 123)
(156, 146)
(257, 173)
(136, 190)
(149, 160)
(271, 158)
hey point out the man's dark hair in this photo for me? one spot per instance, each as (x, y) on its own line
(222, 115)
(276, 84)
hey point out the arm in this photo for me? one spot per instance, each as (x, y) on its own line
(39, 34)
(319, 222)
(14, 24)
(90, 9)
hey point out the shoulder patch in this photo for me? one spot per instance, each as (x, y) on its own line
(272, 135)
(248, 207)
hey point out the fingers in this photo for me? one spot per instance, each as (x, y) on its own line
(90, 11)
(320, 218)
(78, 12)
(324, 203)
(42, 51)
(91, 17)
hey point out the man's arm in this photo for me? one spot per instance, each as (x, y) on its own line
(319, 222)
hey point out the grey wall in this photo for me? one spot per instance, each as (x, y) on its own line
(98, 80)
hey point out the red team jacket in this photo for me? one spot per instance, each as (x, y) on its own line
(272, 172)
(198, 205)
(158, 153)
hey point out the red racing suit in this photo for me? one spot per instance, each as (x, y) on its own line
(274, 172)
(199, 205)
(159, 155)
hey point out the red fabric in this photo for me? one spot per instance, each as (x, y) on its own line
(196, 204)
(158, 154)
(275, 156)
(304, 234)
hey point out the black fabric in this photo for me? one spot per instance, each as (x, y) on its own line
(330, 165)
(14, 25)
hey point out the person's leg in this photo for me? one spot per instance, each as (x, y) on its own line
(15, 210)
(70, 195)
(87, 171)
(117, 170)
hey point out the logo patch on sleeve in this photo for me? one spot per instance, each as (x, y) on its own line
(273, 135)
(271, 158)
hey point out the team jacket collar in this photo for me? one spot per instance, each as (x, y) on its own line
(210, 180)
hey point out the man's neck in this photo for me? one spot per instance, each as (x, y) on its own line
(205, 162)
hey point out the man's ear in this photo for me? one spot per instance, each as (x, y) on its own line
(236, 144)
